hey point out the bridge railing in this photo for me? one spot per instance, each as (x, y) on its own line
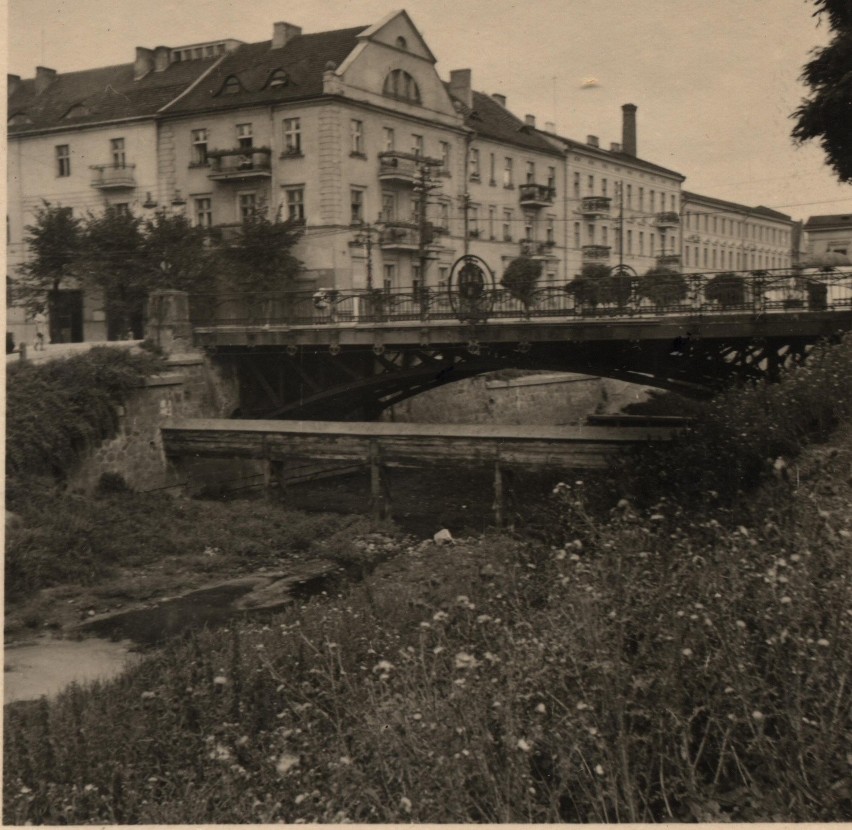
(704, 294)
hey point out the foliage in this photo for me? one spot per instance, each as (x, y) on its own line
(597, 284)
(727, 288)
(521, 278)
(827, 113)
(53, 242)
(260, 256)
(57, 410)
(178, 254)
(663, 286)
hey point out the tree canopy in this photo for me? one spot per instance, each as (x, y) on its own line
(827, 113)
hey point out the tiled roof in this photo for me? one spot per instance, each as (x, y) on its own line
(303, 59)
(826, 220)
(687, 196)
(610, 155)
(491, 120)
(103, 94)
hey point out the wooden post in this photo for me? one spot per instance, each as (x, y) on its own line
(378, 500)
(499, 496)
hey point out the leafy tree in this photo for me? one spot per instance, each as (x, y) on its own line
(663, 286)
(727, 288)
(521, 278)
(827, 113)
(178, 255)
(597, 284)
(53, 242)
(260, 256)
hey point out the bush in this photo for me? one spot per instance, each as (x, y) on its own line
(521, 278)
(663, 286)
(727, 289)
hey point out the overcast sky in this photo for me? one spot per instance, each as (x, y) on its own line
(715, 82)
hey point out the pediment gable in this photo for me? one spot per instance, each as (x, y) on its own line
(399, 32)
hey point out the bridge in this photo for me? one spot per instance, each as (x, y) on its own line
(284, 445)
(338, 355)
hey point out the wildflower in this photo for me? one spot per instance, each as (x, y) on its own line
(657, 517)
(491, 658)
(91, 787)
(148, 695)
(437, 649)
(741, 624)
(345, 760)
(463, 660)
(823, 642)
(523, 745)
(220, 753)
(786, 600)
(286, 762)
(220, 680)
(687, 652)
(425, 625)
(483, 618)
(383, 666)
(417, 716)
(440, 616)
(582, 706)
(757, 715)
(541, 709)
(729, 690)
(405, 803)
(599, 769)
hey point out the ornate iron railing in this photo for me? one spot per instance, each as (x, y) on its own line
(704, 295)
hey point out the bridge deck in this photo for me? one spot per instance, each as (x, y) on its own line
(394, 444)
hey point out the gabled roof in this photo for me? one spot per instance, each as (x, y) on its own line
(105, 94)
(829, 220)
(368, 33)
(304, 59)
(491, 120)
(612, 156)
(760, 210)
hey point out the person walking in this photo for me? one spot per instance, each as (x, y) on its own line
(40, 320)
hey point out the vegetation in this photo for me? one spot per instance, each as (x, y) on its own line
(55, 411)
(825, 115)
(727, 288)
(677, 651)
(596, 284)
(521, 278)
(663, 286)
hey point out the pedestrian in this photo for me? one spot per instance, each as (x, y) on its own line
(40, 320)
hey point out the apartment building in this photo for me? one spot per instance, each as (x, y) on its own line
(828, 239)
(726, 236)
(620, 209)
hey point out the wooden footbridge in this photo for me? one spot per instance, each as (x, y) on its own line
(283, 445)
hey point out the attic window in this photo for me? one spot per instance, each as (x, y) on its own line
(19, 119)
(401, 43)
(231, 85)
(399, 84)
(78, 111)
(278, 78)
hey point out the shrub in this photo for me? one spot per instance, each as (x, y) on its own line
(727, 289)
(663, 286)
(521, 278)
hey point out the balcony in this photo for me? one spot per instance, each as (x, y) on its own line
(114, 176)
(595, 207)
(669, 261)
(667, 219)
(398, 167)
(536, 195)
(595, 253)
(400, 236)
(537, 250)
(240, 164)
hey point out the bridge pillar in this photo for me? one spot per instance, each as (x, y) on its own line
(168, 322)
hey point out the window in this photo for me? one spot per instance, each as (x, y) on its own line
(529, 231)
(356, 200)
(530, 172)
(247, 204)
(591, 183)
(551, 177)
(605, 235)
(473, 220)
(474, 163)
(576, 235)
(231, 86)
(63, 160)
(121, 209)
(417, 145)
(652, 199)
(551, 230)
(674, 203)
(278, 78)
(604, 187)
(203, 212)
(388, 207)
(590, 233)
(443, 275)
(401, 43)
(445, 215)
(199, 147)
(651, 243)
(576, 185)
(445, 156)
(356, 137)
(416, 277)
(295, 204)
(493, 176)
(399, 84)
(116, 146)
(292, 136)
(630, 195)
(492, 213)
(507, 225)
(389, 276)
(641, 243)
(508, 173)
(389, 139)
(641, 198)
(244, 136)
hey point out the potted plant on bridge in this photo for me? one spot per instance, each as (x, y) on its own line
(585, 288)
(664, 287)
(521, 280)
(727, 289)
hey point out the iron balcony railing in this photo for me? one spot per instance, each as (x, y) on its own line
(400, 236)
(595, 206)
(693, 295)
(596, 252)
(666, 219)
(400, 167)
(530, 248)
(113, 176)
(240, 163)
(536, 195)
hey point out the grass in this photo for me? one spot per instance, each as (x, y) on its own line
(673, 655)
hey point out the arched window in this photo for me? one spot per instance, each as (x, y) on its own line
(278, 78)
(231, 85)
(399, 84)
(401, 42)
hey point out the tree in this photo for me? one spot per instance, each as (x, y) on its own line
(260, 256)
(177, 253)
(727, 288)
(597, 284)
(663, 286)
(827, 113)
(521, 278)
(53, 242)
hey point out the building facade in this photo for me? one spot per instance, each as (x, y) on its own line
(726, 236)
(828, 239)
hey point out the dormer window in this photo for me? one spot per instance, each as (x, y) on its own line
(278, 78)
(401, 43)
(78, 111)
(19, 119)
(399, 84)
(231, 86)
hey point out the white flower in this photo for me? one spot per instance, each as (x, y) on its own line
(220, 680)
(523, 745)
(383, 666)
(286, 762)
(463, 660)
(405, 803)
(599, 769)
(823, 642)
(541, 709)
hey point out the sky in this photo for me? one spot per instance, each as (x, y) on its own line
(714, 82)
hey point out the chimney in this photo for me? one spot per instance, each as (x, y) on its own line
(550, 126)
(628, 129)
(500, 99)
(461, 84)
(283, 33)
(592, 141)
(44, 78)
(529, 120)
(144, 62)
(162, 58)
(13, 83)
(615, 147)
